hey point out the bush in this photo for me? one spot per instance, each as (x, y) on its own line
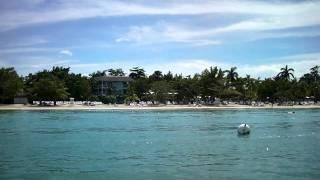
(131, 98)
(108, 99)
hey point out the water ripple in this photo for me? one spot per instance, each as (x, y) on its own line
(160, 145)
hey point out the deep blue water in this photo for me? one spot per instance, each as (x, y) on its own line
(159, 145)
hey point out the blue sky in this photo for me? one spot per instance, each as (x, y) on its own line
(183, 36)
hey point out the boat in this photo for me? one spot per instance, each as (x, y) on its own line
(243, 129)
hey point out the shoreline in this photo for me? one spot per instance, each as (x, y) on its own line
(17, 107)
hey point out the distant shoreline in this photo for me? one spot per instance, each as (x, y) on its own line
(164, 107)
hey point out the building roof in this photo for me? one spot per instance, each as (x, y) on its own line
(114, 78)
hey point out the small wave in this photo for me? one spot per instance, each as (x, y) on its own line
(55, 131)
(121, 158)
(217, 128)
(287, 136)
(8, 132)
(109, 129)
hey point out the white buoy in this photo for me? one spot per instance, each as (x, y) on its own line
(243, 129)
(291, 112)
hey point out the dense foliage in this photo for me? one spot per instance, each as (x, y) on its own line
(56, 84)
(10, 84)
(212, 83)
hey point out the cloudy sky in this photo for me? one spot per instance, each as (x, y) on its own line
(184, 36)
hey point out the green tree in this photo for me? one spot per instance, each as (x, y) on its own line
(298, 90)
(168, 76)
(137, 73)
(78, 87)
(211, 83)
(49, 88)
(185, 89)
(116, 72)
(314, 71)
(249, 88)
(229, 93)
(156, 76)
(160, 91)
(267, 90)
(316, 82)
(232, 75)
(312, 81)
(84, 88)
(131, 98)
(283, 90)
(10, 84)
(97, 74)
(58, 83)
(311, 77)
(140, 87)
(60, 72)
(285, 73)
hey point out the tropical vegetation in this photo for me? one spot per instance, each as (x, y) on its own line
(58, 84)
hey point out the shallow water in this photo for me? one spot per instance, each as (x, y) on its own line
(159, 145)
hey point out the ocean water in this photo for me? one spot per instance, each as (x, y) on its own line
(159, 145)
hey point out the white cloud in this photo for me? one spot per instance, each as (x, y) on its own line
(164, 33)
(190, 67)
(301, 63)
(66, 52)
(269, 23)
(261, 17)
(119, 40)
(276, 35)
(270, 14)
(25, 64)
(302, 19)
(20, 50)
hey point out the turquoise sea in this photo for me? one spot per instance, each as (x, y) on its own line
(159, 145)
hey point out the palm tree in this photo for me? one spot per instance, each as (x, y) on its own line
(250, 87)
(232, 75)
(315, 73)
(137, 73)
(115, 72)
(211, 82)
(285, 73)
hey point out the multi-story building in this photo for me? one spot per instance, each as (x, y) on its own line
(112, 85)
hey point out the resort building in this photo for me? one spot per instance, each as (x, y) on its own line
(112, 85)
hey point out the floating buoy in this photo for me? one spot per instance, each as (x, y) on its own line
(243, 129)
(291, 112)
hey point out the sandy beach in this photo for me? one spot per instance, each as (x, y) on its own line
(160, 107)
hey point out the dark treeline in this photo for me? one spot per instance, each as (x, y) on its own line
(59, 84)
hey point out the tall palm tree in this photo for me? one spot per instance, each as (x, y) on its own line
(286, 73)
(250, 87)
(211, 83)
(315, 73)
(232, 75)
